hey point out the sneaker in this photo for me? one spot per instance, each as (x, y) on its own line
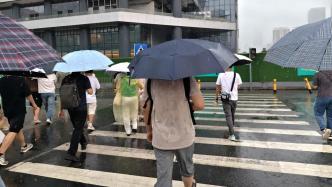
(91, 127)
(48, 121)
(3, 161)
(26, 148)
(326, 134)
(83, 146)
(134, 131)
(72, 158)
(232, 138)
(37, 121)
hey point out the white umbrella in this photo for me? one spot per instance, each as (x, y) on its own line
(120, 67)
(242, 60)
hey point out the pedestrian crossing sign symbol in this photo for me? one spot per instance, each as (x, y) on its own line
(139, 47)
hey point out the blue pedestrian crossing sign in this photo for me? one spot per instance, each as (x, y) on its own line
(139, 47)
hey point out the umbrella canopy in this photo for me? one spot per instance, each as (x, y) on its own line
(242, 60)
(308, 46)
(84, 60)
(120, 67)
(182, 58)
(21, 51)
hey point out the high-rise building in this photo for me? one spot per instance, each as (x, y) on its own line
(279, 32)
(113, 26)
(316, 14)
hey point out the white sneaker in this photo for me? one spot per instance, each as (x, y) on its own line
(26, 148)
(326, 134)
(3, 161)
(48, 121)
(91, 127)
(232, 138)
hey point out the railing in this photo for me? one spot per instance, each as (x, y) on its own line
(184, 15)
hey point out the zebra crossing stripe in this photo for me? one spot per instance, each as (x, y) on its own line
(86, 176)
(249, 114)
(248, 105)
(246, 143)
(252, 130)
(245, 95)
(246, 99)
(251, 102)
(262, 130)
(251, 109)
(255, 121)
(324, 171)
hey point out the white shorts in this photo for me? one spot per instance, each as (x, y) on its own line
(92, 108)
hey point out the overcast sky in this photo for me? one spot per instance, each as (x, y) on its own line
(257, 18)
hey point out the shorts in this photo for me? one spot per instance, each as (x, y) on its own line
(92, 108)
(165, 159)
(16, 123)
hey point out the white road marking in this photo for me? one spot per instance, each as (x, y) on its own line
(248, 114)
(255, 121)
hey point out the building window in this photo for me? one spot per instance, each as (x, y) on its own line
(96, 4)
(67, 41)
(105, 40)
(67, 7)
(32, 12)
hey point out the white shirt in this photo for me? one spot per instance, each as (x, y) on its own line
(226, 79)
(95, 86)
(47, 85)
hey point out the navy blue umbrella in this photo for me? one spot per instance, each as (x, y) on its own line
(182, 58)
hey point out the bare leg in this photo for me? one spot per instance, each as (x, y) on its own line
(20, 138)
(36, 115)
(188, 181)
(7, 142)
(91, 118)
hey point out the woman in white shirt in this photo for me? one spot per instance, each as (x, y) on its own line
(91, 100)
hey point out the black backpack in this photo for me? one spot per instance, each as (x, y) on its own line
(186, 84)
(69, 94)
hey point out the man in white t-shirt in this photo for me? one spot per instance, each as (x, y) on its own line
(91, 100)
(46, 88)
(224, 83)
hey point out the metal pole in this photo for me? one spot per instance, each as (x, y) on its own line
(250, 76)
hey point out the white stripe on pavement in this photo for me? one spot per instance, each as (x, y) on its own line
(256, 121)
(262, 130)
(248, 114)
(251, 130)
(252, 102)
(86, 176)
(249, 105)
(246, 99)
(252, 109)
(324, 171)
(317, 148)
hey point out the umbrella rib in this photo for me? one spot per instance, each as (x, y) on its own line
(324, 54)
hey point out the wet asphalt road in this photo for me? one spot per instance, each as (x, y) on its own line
(274, 150)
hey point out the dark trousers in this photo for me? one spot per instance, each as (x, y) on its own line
(78, 119)
(229, 110)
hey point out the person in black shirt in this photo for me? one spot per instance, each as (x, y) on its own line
(14, 91)
(78, 115)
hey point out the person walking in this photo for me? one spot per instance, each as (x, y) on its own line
(169, 124)
(129, 99)
(323, 104)
(14, 90)
(33, 85)
(74, 88)
(46, 88)
(227, 85)
(92, 99)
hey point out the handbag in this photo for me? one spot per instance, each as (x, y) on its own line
(225, 96)
(117, 99)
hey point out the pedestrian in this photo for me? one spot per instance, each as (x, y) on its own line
(323, 104)
(46, 88)
(117, 105)
(129, 99)
(73, 98)
(227, 86)
(167, 116)
(92, 99)
(14, 90)
(33, 85)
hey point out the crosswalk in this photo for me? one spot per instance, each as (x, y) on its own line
(276, 145)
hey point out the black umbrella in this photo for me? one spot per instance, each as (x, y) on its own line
(182, 58)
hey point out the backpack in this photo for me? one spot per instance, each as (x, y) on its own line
(69, 95)
(186, 84)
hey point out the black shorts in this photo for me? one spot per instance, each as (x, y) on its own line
(37, 98)
(16, 123)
